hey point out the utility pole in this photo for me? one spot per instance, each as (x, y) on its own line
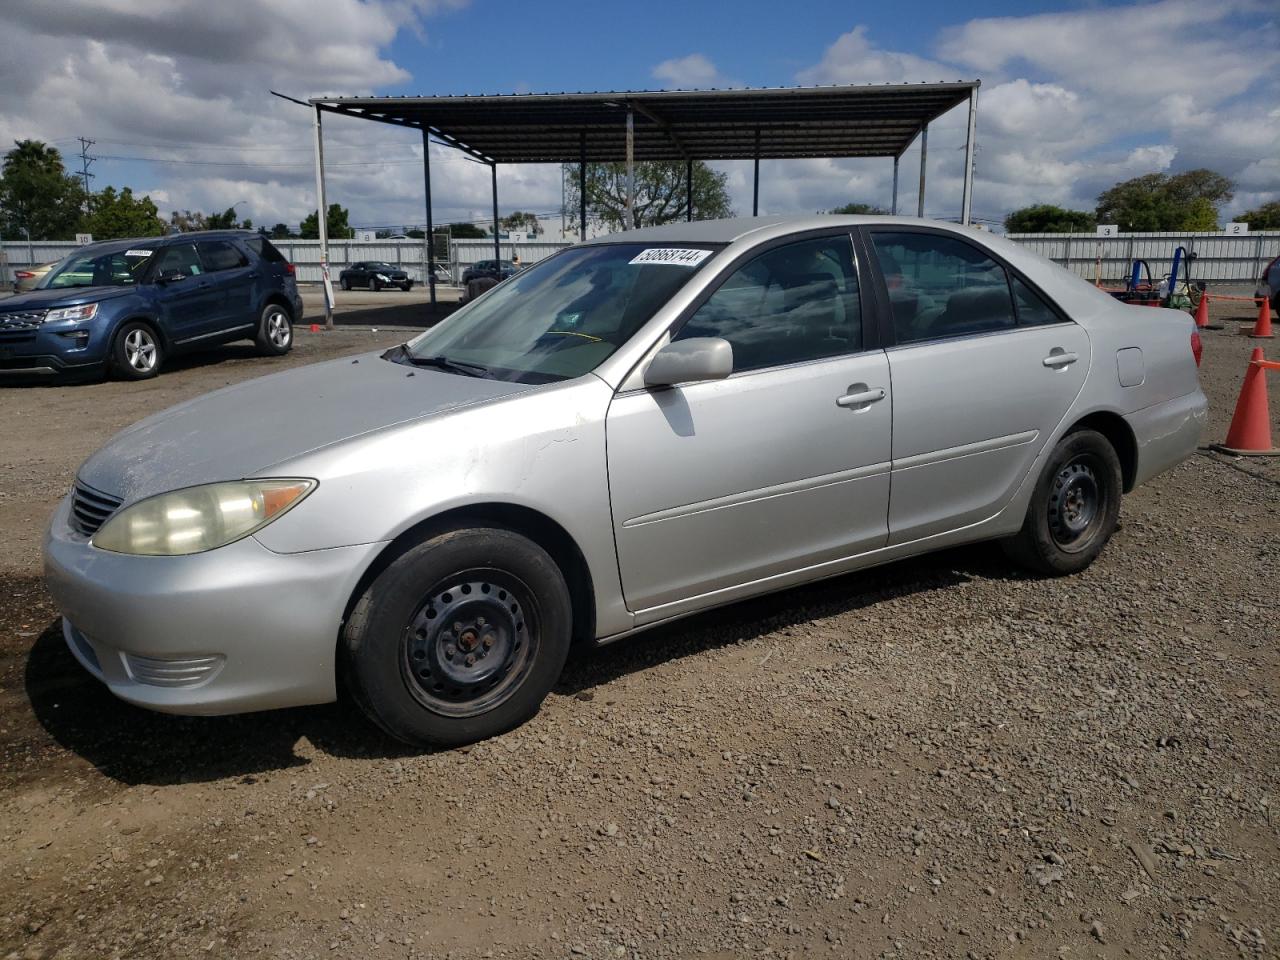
(85, 161)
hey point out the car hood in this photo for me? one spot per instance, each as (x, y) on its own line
(242, 430)
(62, 297)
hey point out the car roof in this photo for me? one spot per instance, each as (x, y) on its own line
(144, 243)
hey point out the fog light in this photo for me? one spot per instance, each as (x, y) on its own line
(78, 338)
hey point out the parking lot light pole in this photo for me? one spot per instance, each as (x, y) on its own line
(431, 236)
(924, 154)
(322, 221)
(894, 208)
(688, 189)
(631, 168)
(755, 182)
(582, 185)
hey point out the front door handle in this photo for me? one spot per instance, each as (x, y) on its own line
(860, 396)
(1059, 358)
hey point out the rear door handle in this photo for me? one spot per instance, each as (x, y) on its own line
(1058, 358)
(862, 397)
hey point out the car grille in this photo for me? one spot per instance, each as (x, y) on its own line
(90, 509)
(20, 321)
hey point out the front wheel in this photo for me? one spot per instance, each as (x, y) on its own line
(344, 283)
(136, 353)
(275, 331)
(459, 639)
(1074, 509)
(375, 284)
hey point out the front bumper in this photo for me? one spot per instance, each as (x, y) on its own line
(236, 629)
(47, 351)
(1167, 433)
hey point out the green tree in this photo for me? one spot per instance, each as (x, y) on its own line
(1159, 201)
(465, 231)
(37, 194)
(860, 209)
(186, 221)
(416, 234)
(660, 193)
(280, 231)
(113, 216)
(1265, 217)
(520, 220)
(226, 220)
(336, 222)
(1046, 218)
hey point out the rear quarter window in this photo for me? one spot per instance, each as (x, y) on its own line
(265, 249)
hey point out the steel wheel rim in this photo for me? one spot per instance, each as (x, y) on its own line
(470, 643)
(278, 328)
(1076, 504)
(140, 350)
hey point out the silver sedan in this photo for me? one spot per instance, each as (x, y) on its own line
(634, 430)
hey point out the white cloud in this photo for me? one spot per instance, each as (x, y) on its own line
(854, 59)
(693, 71)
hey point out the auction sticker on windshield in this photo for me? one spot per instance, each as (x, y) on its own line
(672, 255)
(138, 253)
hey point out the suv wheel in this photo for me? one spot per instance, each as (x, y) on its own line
(459, 639)
(136, 353)
(375, 284)
(344, 283)
(1074, 508)
(275, 331)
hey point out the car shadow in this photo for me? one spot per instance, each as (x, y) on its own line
(135, 746)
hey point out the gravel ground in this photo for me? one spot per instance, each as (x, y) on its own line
(940, 758)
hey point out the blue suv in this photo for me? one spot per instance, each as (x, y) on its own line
(124, 306)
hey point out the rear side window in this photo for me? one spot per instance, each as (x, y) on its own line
(1032, 310)
(221, 255)
(265, 249)
(942, 287)
(794, 303)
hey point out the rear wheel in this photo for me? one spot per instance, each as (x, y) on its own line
(1074, 509)
(459, 639)
(407, 286)
(275, 331)
(375, 284)
(136, 353)
(344, 283)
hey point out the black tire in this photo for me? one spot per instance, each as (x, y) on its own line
(415, 644)
(136, 352)
(1074, 509)
(275, 331)
(344, 283)
(407, 286)
(375, 284)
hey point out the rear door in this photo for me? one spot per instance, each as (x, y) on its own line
(234, 278)
(984, 370)
(719, 486)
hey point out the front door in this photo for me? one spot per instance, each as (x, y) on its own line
(782, 466)
(984, 371)
(189, 302)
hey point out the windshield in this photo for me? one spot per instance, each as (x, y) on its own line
(564, 316)
(376, 265)
(121, 268)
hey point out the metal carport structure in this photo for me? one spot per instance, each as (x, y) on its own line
(673, 125)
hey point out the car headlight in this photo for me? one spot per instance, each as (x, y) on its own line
(383, 276)
(199, 518)
(84, 312)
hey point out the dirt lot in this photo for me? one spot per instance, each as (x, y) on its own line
(937, 759)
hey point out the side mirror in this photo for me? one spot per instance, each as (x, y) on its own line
(690, 361)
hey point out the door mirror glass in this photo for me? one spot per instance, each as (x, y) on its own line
(690, 361)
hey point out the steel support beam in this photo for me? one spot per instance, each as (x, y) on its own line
(431, 235)
(688, 190)
(755, 182)
(924, 155)
(631, 168)
(582, 187)
(966, 202)
(497, 247)
(894, 208)
(322, 222)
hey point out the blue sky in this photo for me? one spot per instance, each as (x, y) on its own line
(1075, 96)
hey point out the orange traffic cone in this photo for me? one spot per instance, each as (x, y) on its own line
(1250, 431)
(1202, 311)
(1262, 329)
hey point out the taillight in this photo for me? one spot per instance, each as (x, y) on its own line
(1197, 348)
(288, 268)
(23, 274)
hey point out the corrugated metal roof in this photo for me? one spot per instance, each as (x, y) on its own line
(772, 123)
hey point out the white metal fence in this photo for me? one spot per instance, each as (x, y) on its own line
(410, 255)
(1220, 258)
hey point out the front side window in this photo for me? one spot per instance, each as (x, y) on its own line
(562, 317)
(179, 258)
(794, 303)
(941, 286)
(120, 269)
(220, 255)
